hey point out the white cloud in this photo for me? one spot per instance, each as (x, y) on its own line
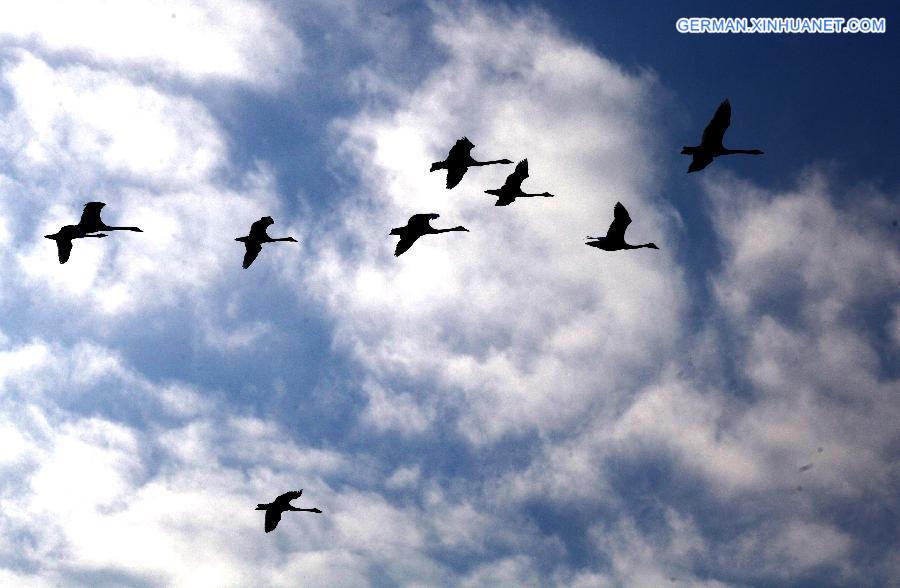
(471, 319)
(86, 495)
(77, 134)
(515, 329)
(84, 121)
(242, 40)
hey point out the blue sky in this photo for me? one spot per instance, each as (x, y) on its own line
(504, 407)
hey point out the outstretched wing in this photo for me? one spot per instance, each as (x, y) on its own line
(515, 179)
(455, 175)
(460, 149)
(63, 249)
(288, 496)
(273, 516)
(406, 241)
(90, 216)
(258, 229)
(715, 130)
(253, 249)
(422, 219)
(701, 158)
(621, 220)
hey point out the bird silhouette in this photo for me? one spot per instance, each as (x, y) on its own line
(512, 188)
(615, 236)
(710, 145)
(258, 235)
(416, 226)
(64, 238)
(459, 160)
(279, 505)
(92, 223)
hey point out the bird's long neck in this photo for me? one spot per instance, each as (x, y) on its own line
(648, 245)
(541, 195)
(282, 239)
(744, 151)
(459, 228)
(135, 229)
(476, 163)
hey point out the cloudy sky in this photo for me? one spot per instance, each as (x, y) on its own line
(504, 407)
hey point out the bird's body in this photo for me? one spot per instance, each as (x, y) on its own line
(459, 160)
(417, 226)
(64, 238)
(615, 236)
(89, 224)
(711, 145)
(258, 235)
(512, 187)
(279, 505)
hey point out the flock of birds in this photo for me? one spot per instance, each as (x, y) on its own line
(458, 161)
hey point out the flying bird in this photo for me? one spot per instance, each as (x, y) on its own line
(92, 223)
(64, 238)
(279, 505)
(806, 467)
(710, 145)
(512, 188)
(258, 235)
(416, 226)
(459, 160)
(615, 236)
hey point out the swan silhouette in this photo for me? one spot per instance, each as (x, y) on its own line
(512, 188)
(279, 505)
(64, 238)
(416, 226)
(615, 236)
(710, 145)
(92, 223)
(258, 235)
(459, 160)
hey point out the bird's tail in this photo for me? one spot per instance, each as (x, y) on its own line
(492, 191)
(688, 150)
(243, 239)
(261, 507)
(438, 165)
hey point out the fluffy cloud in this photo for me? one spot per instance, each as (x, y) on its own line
(242, 40)
(535, 412)
(88, 498)
(593, 354)
(75, 134)
(472, 321)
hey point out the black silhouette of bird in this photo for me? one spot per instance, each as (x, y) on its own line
(710, 145)
(64, 237)
(258, 235)
(806, 467)
(92, 223)
(279, 505)
(512, 188)
(615, 236)
(459, 160)
(416, 226)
